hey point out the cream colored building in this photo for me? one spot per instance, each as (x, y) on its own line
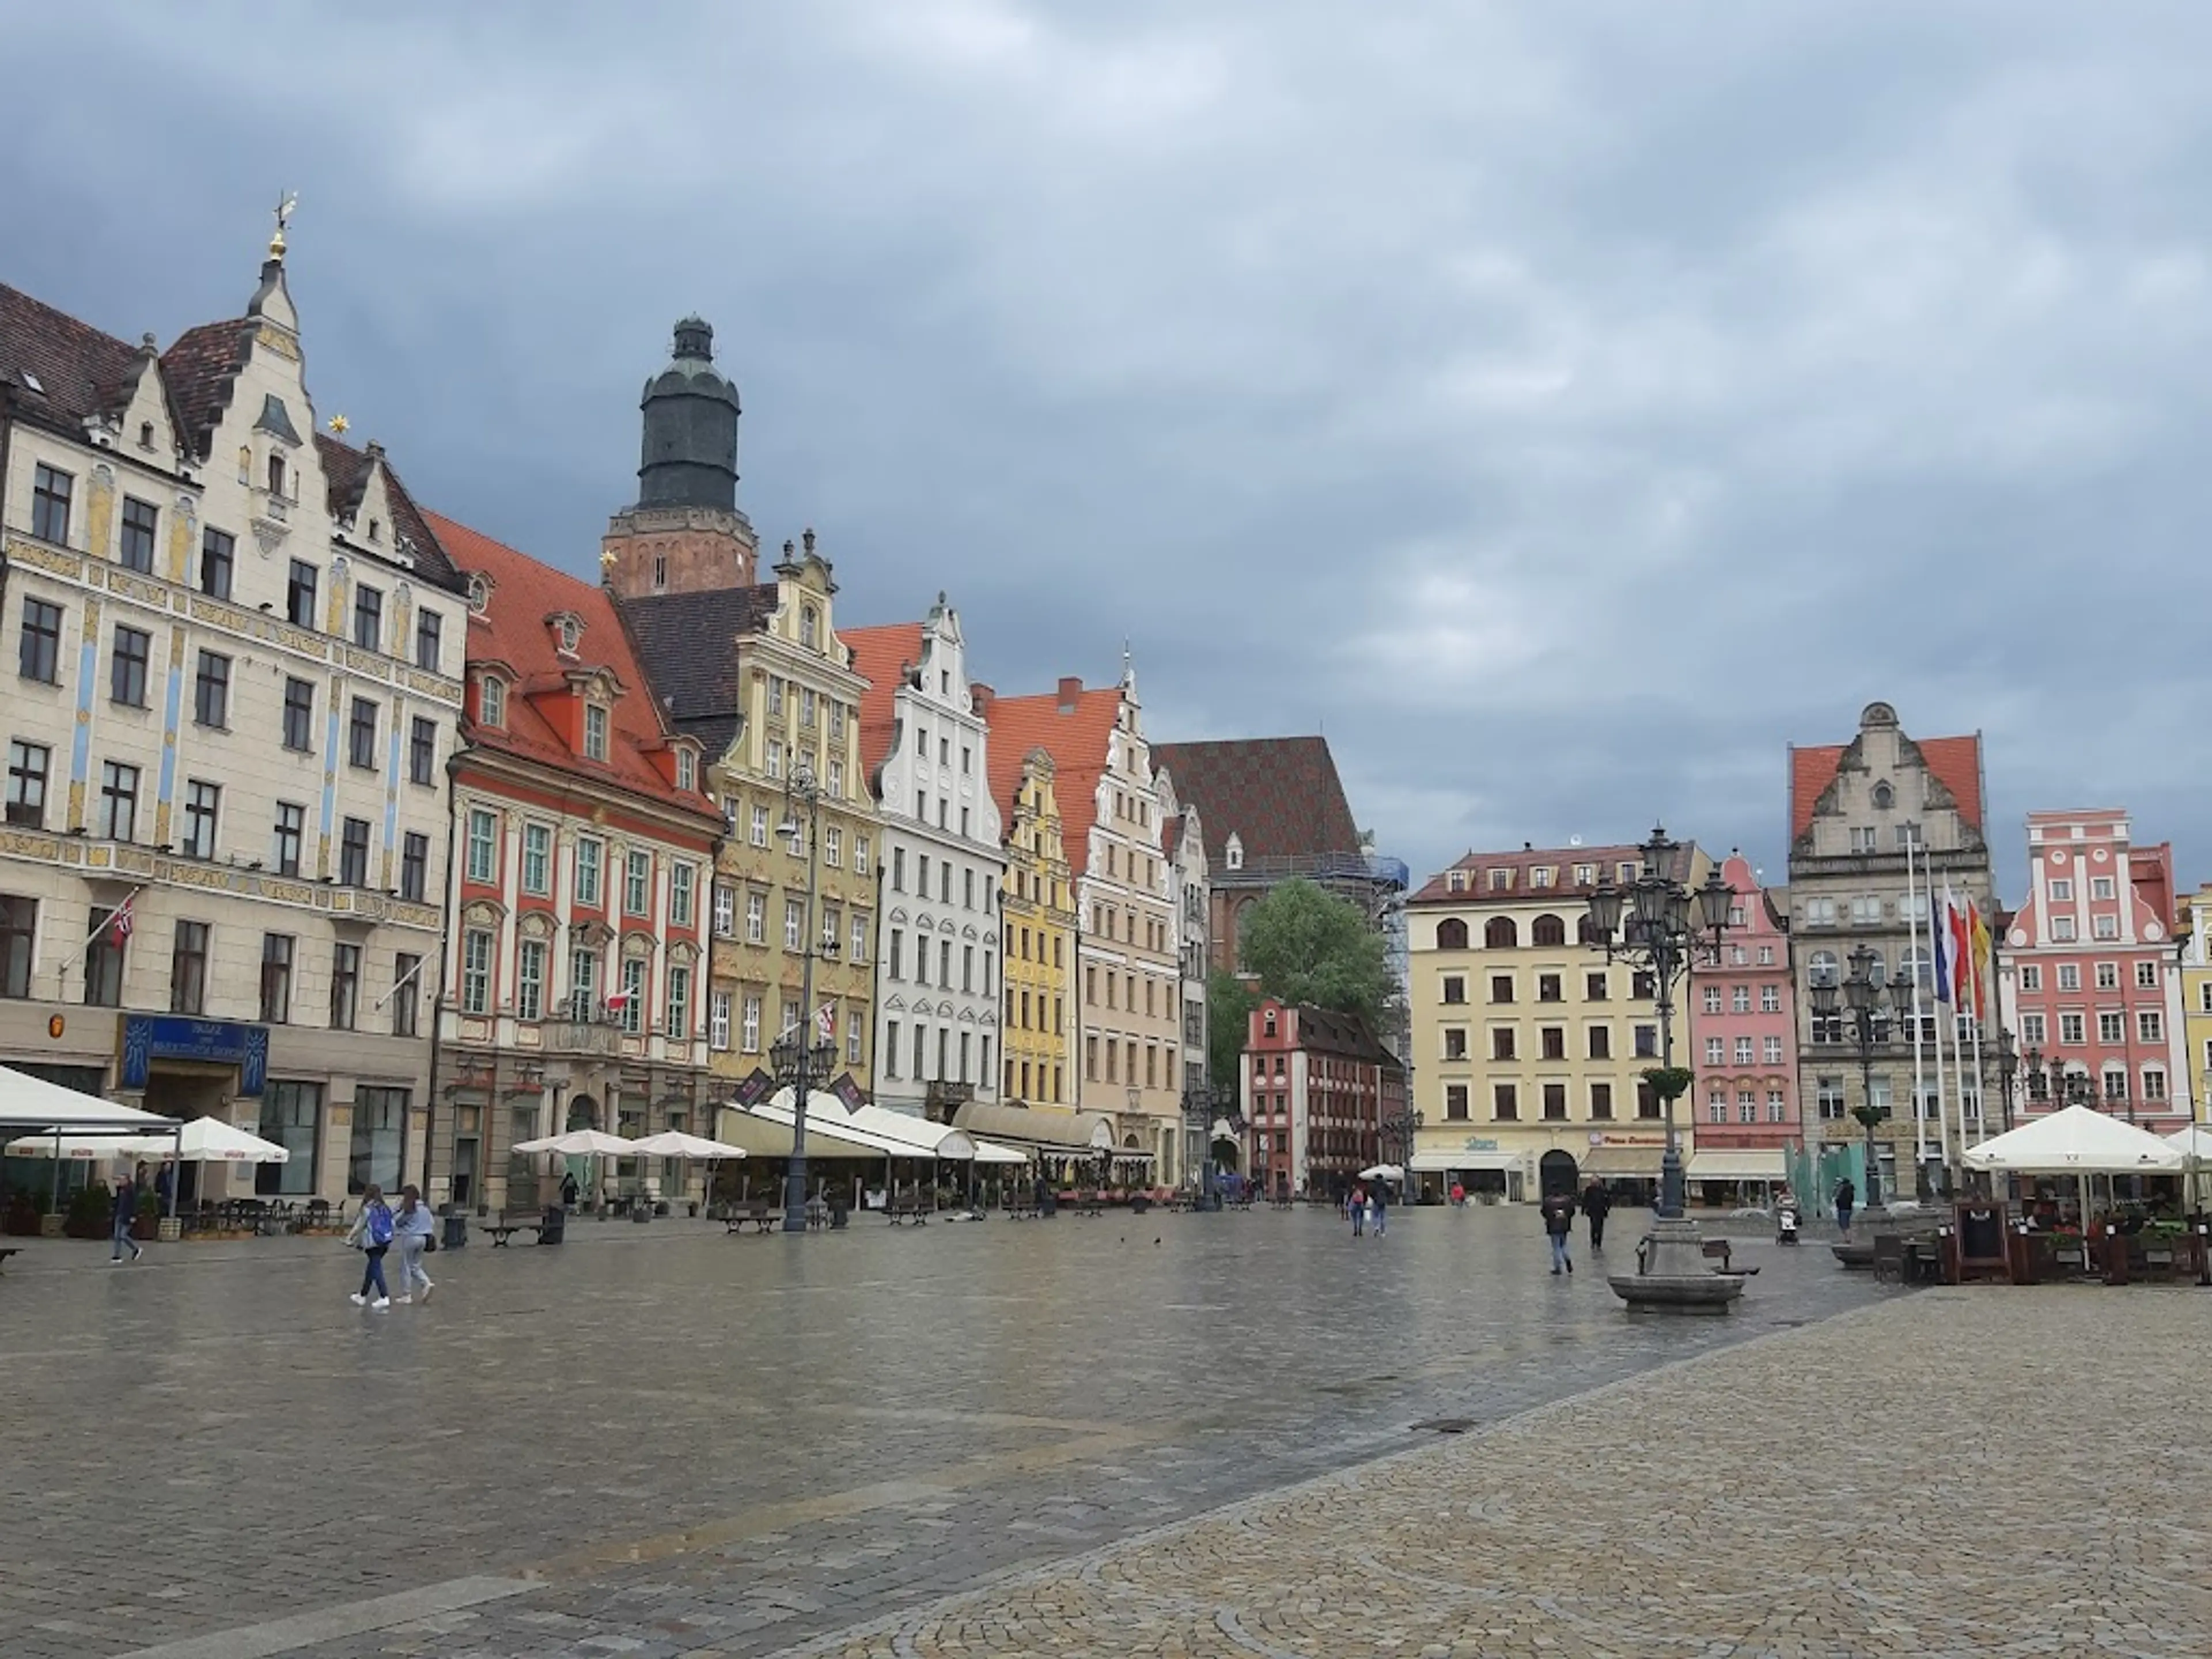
(236, 648)
(1529, 1049)
(1128, 974)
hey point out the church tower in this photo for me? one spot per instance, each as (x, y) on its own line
(686, 534)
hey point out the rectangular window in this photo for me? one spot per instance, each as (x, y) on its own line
(2101, 887)
(2154, 1081)
(429, 645)
(29, 766)
(406, 993)
(759, 833)
(119, 800)
(1769, 1000)
(188, 964)
(345, 986)
(2146, 976)
(1501, 988)
(682, 880)
(1501, 1044)
(1740, 999)
(39, 653)
(794, 924)
(202, 801)
(2111, 1027)
(290, 1115)
(529, 979)
(291, 827)
(362, 739)
(476, 971)
(414, 865)
(298, 715)
(1548, 988)
(2032, 1029)
(2062, 929)
(300, 595)
(380, 1127)
(1772, 1053)
(218, 558)
(833, 847)
(127, 666)
(859, 950)
(1712, 999)
(103, 964)
(725, 910)
(1865, 838)
(2069, 975)
(1505, 1102)
(750, 1031)
(583, 982)
(368, 617)
(859, 855)
(483, 864)
(353, 854)
(718, 1020)
(595, 732)
(1455, 1101)
(536, 859)
(275, 978)
(2105, 926)
(1647, 1042)
(678, 1024)
(211, 690)
(1600, 1100)
(2108, 976)
(2150, 1026)
(892, 964)
(1455, 989)
(756, 918)
(591, 861)
(1597, 987)
(1743, 1051)
(2069, 1029)
(1555, 1101)
(142, 528)
(1715, 1051)
(423, 750)
(1554, 1041)
(637, 883)
(50, 505)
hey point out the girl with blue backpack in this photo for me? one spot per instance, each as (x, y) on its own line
(372, 1234)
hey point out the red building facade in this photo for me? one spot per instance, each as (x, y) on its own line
(575, 986)
(2089, 978)
(1743, 1031)
(1318, 1091)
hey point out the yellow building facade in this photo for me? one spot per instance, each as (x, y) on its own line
(1038, 950)
(1528, 1048)
(759, 673)
(2196, 998)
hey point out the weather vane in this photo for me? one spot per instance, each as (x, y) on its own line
(286, 201)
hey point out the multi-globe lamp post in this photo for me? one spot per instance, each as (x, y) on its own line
(1664, 926)
(801, 1059)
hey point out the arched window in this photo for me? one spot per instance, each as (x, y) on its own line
(1548, 930)
(1823, 970)
(1884, 797)
(1499, 934)
(1270, 1022)
(1452, 934)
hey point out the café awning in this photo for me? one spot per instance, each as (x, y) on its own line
(770, 1137)
(1629, 1163)
(30, 1104)
(1054, 1132)
(1746, 1163)
(1493, 1158)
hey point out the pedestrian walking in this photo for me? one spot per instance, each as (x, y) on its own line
(119, 1218)
(1378, 1208)
(1558, 1223)
(1597, 1204)
(371, 1234)
(1358, 1208)
(1458, 1196)
(1847, 1198)
(411, 1227)
(569, 1191)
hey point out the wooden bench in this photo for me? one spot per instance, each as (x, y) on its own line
(907, 1209)
(759, 1217)
(1720, 1250)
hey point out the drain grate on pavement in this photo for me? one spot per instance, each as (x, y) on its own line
(1444, 1425)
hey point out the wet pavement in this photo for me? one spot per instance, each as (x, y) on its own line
(661, 1440)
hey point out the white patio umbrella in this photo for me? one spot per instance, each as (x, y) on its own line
(2195, 1143)
(2080, 1142)
(594, 1144)
(1382, 1172)
(203, 1140)
(674, 1143)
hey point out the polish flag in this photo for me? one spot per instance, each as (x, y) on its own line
(618, 1001)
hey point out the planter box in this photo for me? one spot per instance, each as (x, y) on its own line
(168, 1229)
(51, 1226)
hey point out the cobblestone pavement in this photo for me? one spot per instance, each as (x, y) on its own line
(661, 1440)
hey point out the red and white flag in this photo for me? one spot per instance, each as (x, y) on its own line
(618, 1000)
(825, 1022)
(120, 919)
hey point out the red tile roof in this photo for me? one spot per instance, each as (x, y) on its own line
(1955, 762)
(1280, 797)
(879, 653)
(511, 629)
(199, 371)
(1076, 737)
(83, 370)
(1562, 860)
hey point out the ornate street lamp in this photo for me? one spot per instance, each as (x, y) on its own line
(2008, 1060)
(800, 1063)
(1662, 925)
(1863, 995)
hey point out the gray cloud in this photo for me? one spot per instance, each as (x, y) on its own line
(1566, 407)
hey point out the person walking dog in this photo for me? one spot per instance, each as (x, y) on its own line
(412, 1228)
(371, 1234)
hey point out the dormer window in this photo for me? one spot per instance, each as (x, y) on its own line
(375, 531)
(595, 730)
(276, 477)
(491, 700)
(810, 627)
(1236, 852)
(567, 630)
(479, 594)
(686, 769)
(1884, 797)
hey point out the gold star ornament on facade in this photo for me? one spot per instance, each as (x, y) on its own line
(339, 423)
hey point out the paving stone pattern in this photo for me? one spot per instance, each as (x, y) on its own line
(691, 1444)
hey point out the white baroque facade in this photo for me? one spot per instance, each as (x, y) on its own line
(943, 868)
(237, 672)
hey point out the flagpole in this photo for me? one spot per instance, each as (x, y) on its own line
(1947, 994)
(1912, 939)
(400, 984)
(108, 921)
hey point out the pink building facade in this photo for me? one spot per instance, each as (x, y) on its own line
(1743, 1038)
(2088, 974)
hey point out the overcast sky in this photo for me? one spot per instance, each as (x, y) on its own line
(1563, 406)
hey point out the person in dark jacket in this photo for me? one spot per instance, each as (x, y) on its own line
(125, 1212)
(1847, 1198)
(1558, 1223)
(1597, 1204)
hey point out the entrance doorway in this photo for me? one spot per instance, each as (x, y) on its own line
(1556, 1173)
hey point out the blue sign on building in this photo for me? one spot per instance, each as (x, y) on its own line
(149, 1037)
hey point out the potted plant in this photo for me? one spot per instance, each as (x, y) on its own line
(89, 1207)
(19, 1217)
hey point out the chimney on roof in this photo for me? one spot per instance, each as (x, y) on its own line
(1070, 692)
(979, 698)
